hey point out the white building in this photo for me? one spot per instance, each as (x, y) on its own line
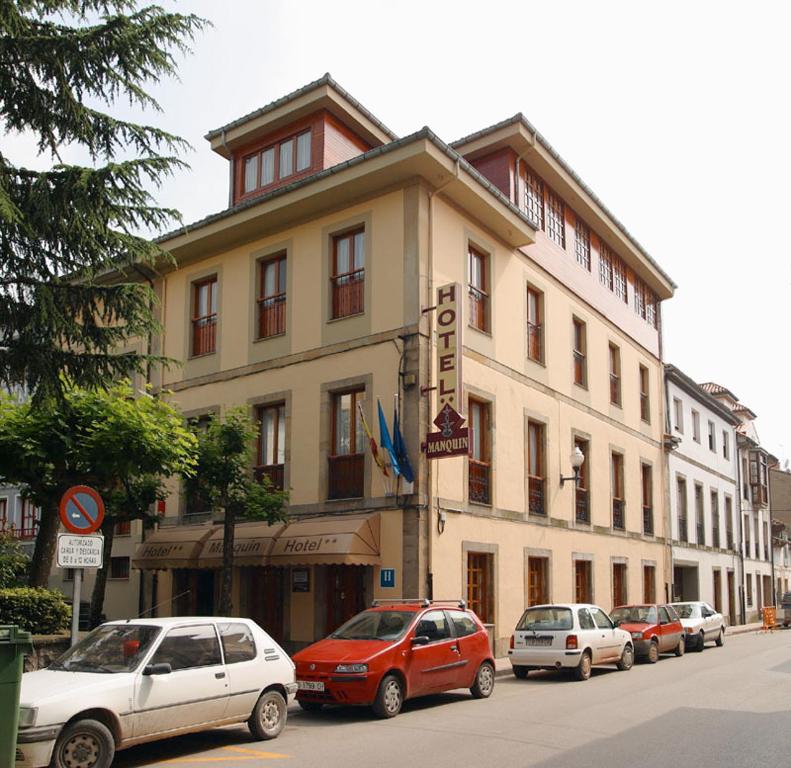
(18, 517)
(754, 514)
(703, 496)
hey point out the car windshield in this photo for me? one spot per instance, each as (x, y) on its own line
(549, 618)
(687, 610)
(634, 614)
(375, 625)
(108, 649)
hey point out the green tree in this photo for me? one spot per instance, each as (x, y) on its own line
(223, 481)
(14, 563)
(60, 62)
(123, 446)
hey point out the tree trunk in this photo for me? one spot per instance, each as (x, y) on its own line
(99, 586)
(46, 543)
(226, 578)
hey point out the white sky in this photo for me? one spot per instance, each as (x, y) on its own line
(677, 117)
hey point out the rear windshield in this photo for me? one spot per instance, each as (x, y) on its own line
(634, 614)
(687, 610)
(375, 625)
(546, 619)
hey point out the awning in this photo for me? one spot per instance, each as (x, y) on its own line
(174, 546)
(332, 540)
(251, 544)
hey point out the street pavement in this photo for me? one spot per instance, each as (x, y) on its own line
(723, 708)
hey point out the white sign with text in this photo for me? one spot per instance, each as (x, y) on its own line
(75, 551)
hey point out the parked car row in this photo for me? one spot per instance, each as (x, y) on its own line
(130, 682)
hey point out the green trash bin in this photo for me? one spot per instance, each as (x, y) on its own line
(14, 644)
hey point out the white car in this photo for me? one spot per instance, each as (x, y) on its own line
(134, 681)
(701, 624)
(568, 636)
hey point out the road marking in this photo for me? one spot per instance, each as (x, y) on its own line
(268, 755)
(246, 754)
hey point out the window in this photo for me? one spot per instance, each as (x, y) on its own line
(479, 585)
(700, 530)
(681, 506)
(123, 528)
(748, 551)
(726, 445)
(347, 459)
(4, 515)
(250, 173)
(271, 453)
(580, 352)
(30, 518)
(715, 519)
(605, 265)
(645, 398)
(534, 198)
(480, 461)
(695, 426)
(619, 279)
(536, 468)
(433, 625)
(615, 375)
(272, 297)
(612, 272)
(555, 219)
(583, 244)
(712, 437)
(645, 302)
(237, 642)
(749, 589)
(729, 522)
(745, 480)
(678, 414)
(647, 483)
(583, 584)
(601, 618)
(303, 151)
(758, 481)
(585, 619)
(188, 648)
(119, 568)
(535, 325)
(277, 161)
(204, 317)
(267, 167)
(348, 273)
(649, 583)
(537, 580)
(463, 623)
(478, 289)
(582, 511)
(619, 584)
(617, 489)
(766, 540)
(286, 158)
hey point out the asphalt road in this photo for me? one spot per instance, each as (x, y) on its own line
(723, 708)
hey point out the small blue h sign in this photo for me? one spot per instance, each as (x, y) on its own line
(387, 577)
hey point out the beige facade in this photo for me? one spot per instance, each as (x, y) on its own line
(426, 215)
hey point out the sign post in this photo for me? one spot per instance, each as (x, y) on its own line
(82, 513)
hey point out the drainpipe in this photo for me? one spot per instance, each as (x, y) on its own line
(667, 517)
(742, 604)
(231, 170)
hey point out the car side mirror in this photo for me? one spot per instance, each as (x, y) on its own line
(162, 668)
(420, 640)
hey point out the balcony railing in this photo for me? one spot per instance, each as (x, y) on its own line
(479, 309)
(715, 538)
(18, 533)
(271, 316)
(535, 342)
(275, 473)
(648, 520)
(348, 292)
(204, 335)
(618, 514)
(346, 476)
(729, 539)
(536, 498)
(480, 476)
(582, 505)
(700, 532)
(683, 535)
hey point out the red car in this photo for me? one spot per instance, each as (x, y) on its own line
(655, 629)
(394, 652)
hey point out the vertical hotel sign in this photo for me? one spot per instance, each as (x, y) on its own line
(452, 438)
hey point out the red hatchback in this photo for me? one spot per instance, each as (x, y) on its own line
(394, 652)
(654, 628)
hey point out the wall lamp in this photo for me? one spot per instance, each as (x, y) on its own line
(577, 460)
(441, 520)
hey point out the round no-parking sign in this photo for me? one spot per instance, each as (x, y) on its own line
(81, 509)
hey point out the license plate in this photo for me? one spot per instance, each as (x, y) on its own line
(538, 641)
(309, 685)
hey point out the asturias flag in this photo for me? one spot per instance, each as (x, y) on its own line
(400, 450)
(385, 442)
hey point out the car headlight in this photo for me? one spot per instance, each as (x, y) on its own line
(27, 716)
(690, 630)
(351, 668)
(637, 635)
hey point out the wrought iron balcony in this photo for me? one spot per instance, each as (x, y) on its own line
(648, 520)
(480, 477)
(619, 514)
(536, 496)
(275, 473)
(582, 505)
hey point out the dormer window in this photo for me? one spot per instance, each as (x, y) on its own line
(279, 161)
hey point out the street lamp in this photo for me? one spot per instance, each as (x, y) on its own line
(577, 460)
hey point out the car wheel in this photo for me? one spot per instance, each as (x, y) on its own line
(653, 652)
(701, 642)
(520, 673)
(720, 641)
(84, 744)
(389, 697)
(484, 681)
(583, 670)
(310, 706)
(627, 659)
(681, 647)
(269, 716)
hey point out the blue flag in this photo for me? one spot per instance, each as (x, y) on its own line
(385, 442)
(400, 449)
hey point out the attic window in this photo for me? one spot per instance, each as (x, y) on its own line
(278, 161)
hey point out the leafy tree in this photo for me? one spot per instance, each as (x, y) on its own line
(60, 62)
(223, 480)
(123, 446)
(14, 563)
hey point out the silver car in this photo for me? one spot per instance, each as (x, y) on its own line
(572, 636)
(701, 623)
